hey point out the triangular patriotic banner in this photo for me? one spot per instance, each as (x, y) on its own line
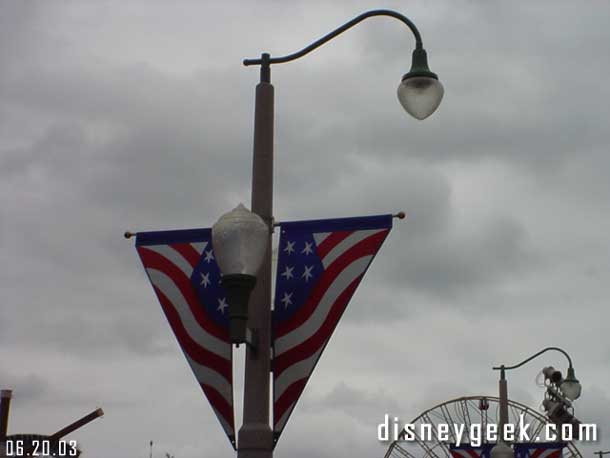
(539, 449)
(468, 451)
(521, 450)
(320, 265)
(183, 272)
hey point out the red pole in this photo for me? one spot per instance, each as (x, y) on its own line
(5, 402)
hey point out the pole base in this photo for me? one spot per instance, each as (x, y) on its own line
(255, 441)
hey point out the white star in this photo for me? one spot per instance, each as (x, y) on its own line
(205, 279)
(209, 256)
(222, 305)
(288, 272)
(286, 300)
(307, 274)
(289, 247)
(307, 249)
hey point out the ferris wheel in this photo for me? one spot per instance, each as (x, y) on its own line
(467, 411)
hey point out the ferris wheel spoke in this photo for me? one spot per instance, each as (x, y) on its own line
(396, 451)
(537, 429)
(427, 419)
(466, 410)
(450, 423)
(516, 412)
(424, 445)
(439, 415)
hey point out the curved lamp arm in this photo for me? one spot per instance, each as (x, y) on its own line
(503, 368)
(338, 31)
(419, 92)
(266, 60)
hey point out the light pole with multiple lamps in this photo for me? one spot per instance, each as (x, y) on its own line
(560, 390)
(242, 240)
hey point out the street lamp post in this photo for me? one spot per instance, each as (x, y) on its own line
(601, 454)
(570, 388)
(420, 93)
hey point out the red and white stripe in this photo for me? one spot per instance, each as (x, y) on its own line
(299, 342)
(466, 453)
(205, 344)
(545, 453)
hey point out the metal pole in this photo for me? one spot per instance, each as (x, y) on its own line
(5, 403)
(255, 438)
(503, 389)
(77, 424)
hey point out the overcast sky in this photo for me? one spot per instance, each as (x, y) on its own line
(138, 115)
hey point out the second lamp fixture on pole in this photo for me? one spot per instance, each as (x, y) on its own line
(240, 239)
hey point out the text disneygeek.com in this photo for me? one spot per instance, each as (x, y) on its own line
(476, 434)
